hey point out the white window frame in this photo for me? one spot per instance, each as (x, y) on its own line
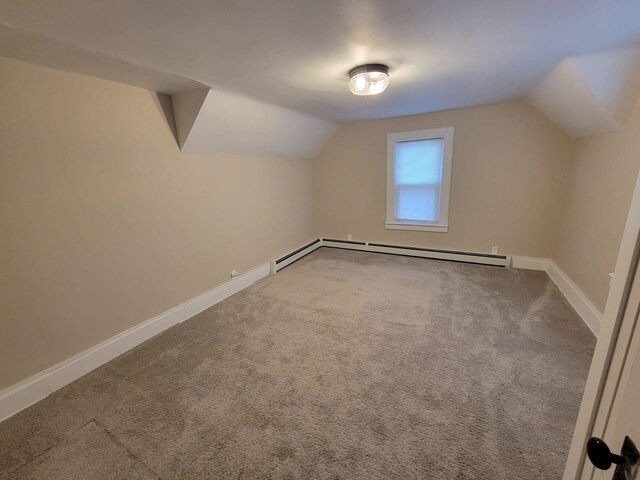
(442, 225)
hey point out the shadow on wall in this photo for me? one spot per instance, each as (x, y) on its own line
(165, 105)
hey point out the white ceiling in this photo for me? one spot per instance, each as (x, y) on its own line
(443, 53)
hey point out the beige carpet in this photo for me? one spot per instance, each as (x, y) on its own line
(345, 365)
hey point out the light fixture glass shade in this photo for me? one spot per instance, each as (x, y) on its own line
(369, 79)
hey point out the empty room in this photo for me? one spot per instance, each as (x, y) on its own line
(349, 239)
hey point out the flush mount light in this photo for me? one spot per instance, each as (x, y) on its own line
(369, 79)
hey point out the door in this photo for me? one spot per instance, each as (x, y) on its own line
(623, 430)
(612, 452)
(622, 421)
(610, 408)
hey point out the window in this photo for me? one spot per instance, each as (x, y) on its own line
(418, 179)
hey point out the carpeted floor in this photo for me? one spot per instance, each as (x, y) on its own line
(345, 365)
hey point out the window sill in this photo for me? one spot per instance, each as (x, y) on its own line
(417, 227)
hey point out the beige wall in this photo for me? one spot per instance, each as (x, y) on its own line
(105, 223)
(509, 166)
(598, 193)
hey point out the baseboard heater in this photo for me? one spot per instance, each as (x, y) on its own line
(465, 257)
(288, 259)
(450, 255)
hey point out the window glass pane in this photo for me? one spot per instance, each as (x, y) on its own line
(418, 175)
(419, 161)
(418, 202)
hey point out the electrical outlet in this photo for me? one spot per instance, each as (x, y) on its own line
(494, 250)
(348, 236)
(234, 273)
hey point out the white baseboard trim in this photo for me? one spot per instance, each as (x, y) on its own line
(26, 393)
(530, 263)
(576, 297)
(589, 313)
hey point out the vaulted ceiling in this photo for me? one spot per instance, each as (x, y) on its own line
(295, 54)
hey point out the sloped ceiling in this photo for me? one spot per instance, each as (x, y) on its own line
(295, 55)
(614, 78)
(211, 121)
(592, 93)
(40, 50)
(566, 100)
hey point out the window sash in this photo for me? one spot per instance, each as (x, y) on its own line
(427, 211)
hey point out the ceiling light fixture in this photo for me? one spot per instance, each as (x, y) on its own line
(369, 79)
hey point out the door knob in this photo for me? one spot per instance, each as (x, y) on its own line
(600, 454)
